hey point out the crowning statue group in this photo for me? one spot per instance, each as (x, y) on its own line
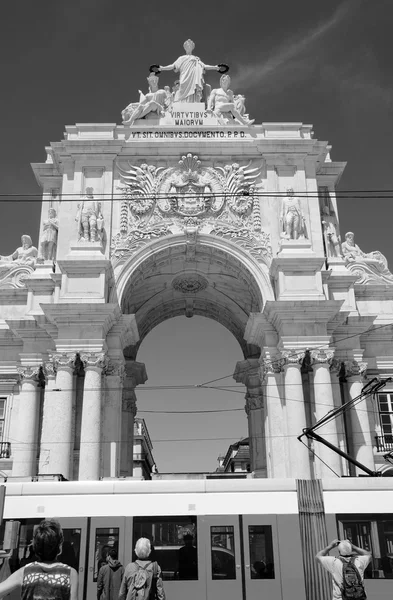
(190, 87)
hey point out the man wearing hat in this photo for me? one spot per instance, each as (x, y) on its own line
(334, 564)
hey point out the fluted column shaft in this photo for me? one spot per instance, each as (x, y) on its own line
(324, 403)
(26, 446)
(90, 444)
(299, 461)
(360, 423)
(57, 420)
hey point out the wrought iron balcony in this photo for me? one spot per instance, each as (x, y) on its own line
(384, 443)
(5, 449)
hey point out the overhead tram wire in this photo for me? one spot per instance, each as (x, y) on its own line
(118, 196)
(300, 352)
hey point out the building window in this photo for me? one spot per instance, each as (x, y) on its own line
(2, 417)
(385, 403)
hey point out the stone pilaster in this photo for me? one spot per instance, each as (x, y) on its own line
(248, 373)
(24, 449)
(90, 445)
(362, 447)
(324, 402)
(112, 417)
(271, 375)
(299, 459)
(57, 442)
(135, 374)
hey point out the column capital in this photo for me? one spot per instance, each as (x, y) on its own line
(271, 366)
(292, 356)
(49, 369)
(320, 356)
(135, 372)
(63, 360)
(354, 368)
(115, 368)
(29, 373)
(95, 360)
(253, 403)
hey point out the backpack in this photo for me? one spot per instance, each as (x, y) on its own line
(352, 588)
(140, 582)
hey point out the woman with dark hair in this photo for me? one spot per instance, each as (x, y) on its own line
(46, 577)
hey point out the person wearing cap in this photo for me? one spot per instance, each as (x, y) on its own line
(334, 565)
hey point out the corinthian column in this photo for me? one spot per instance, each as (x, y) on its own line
(362, 447)
(90, 445)
(324, 403)
(24, 450)
(56, 438)
(299, 459)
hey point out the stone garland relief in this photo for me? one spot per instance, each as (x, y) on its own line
(190, 199)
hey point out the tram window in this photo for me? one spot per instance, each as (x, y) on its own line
(71, 548)
(174, 544)
(373, 533)
(222, 541)
(261, 551)
(106, 539)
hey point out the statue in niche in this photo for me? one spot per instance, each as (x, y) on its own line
(48, 241)
(89, 218)
(292, 221)
(156, 101)
(332, 238)
(24, 256)
(226, 106)
(371, 266)
(191, 70)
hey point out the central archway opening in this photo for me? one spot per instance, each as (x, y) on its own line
(179, 355)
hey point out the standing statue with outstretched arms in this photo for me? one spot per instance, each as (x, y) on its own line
(191, 70)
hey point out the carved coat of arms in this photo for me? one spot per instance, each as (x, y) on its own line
(189, 198)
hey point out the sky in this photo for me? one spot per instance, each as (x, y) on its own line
(328, 64)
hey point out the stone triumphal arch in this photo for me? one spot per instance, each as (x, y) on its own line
(187, 208)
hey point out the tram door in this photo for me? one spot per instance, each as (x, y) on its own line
(74, 547)
(261, 557)
(223, 557)
(105, 533)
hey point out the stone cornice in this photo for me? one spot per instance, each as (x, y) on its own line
(98, 318)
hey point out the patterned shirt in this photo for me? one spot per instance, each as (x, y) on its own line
(46, 582)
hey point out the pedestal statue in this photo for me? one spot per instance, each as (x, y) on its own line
(48, 240)
(292, 219)
(332, 238)
(225, 105)
(89, 218)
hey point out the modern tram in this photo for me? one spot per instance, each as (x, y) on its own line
(246, 533)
